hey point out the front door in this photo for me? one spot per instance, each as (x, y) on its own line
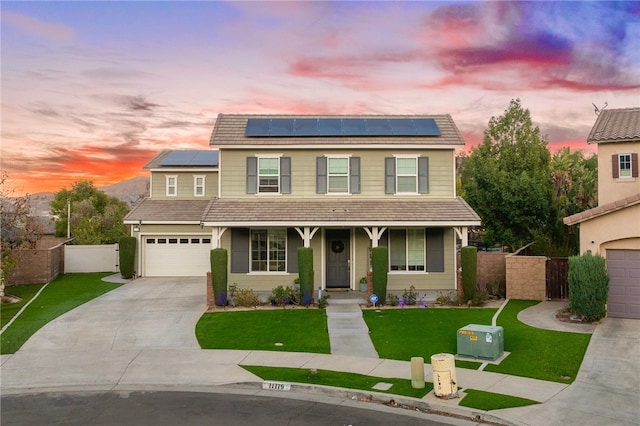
(338, 258)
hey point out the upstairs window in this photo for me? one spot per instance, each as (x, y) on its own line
(624, 165)
(172, 186)
(198, 186)
(337, 175)
(268, 175)
(407, 175)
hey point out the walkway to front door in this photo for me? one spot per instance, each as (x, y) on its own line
(338, 251)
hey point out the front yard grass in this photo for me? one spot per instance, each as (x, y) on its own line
(291, 330)
(338, 379)
(492, 401)
(540, 354)
(61, 295)
(25, 292)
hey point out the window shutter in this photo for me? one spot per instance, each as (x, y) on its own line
(293, 242)
(615, 166)
(389, 175)
(321, 175)
(354, 175)
(285, 175)
(240, 250)
(634, 165)
(252, 175)
(423, 175)
(435, 250)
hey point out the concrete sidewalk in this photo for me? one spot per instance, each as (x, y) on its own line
(141, 336)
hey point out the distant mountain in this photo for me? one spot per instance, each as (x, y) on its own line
(130, 190)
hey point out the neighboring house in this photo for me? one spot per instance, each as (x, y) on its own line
(338, 184)
(613, 228)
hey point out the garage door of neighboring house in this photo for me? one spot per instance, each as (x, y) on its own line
(176, 255)
(624, 284)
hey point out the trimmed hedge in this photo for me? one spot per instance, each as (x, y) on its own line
(588, 286)
(127, 256)
(305, 274)
(218, 258)
(380, 269)
(469, 261)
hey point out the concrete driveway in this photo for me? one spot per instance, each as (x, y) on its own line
(145, 313)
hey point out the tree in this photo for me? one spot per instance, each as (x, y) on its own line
(96, 218)
(506, 179)
(17, 232)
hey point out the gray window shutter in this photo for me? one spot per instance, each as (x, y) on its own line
(252, 175)
(390, 175)
(285, 175)
(321, 175)
(354, 175)
(423, 175)
(293, 242)
(634, 165)
(240, 250)
(435, 250)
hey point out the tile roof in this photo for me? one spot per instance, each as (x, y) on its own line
(602, 210)
(616, 125)
(339, 212)
(167, 211)
(229, 131)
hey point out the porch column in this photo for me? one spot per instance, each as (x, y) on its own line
(307, 234)
(462, 233)
(374, 234)
(216, 234)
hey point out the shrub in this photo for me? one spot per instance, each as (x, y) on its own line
(469, 261)
(410, 297)
(127, 256)
(588, 286)
(285, 296)
(380, 268)
(218, 258)
(305, 274)
(324, 301)
(392, 299)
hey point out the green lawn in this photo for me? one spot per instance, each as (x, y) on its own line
(492, 401)
(540, 354)
(60, 296)
(298, 330)
(338, 379)
(25, 292)
(404, 333)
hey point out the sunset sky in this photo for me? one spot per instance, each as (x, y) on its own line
(93, 90)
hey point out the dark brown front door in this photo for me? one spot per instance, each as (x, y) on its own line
(337, 250)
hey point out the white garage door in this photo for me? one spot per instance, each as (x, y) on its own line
(623, 267)
(176, 255)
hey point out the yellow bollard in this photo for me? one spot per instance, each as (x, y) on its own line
(417, 372)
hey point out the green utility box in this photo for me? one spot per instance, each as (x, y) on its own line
(481, 341)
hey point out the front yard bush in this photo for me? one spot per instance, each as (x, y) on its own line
(305, 274)
(127, 256)
(380, 268)
(218, 259)
(469, 260)
(588, 286)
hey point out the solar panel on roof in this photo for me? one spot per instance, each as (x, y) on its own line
(301, 127)
(190, 158)
(306, 127)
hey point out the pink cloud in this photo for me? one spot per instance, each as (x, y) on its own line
(57, 32)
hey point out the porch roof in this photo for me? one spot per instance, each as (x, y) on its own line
(166, 212)
(263, 211)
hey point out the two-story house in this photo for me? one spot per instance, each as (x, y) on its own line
(338, 184)
(613, 228)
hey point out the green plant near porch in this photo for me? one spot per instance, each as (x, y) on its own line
(218, 258)
(127, 255)
(305, 274)
(380, 268)
(588, 286)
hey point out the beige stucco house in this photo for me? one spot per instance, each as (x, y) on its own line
(613, 228)
(338, 184)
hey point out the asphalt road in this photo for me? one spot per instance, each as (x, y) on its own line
(192, 408)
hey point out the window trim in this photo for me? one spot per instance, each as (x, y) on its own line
(168, 186)
(196, 186)
(629, 163)
(398, 175)
(406, 251)
(346, 175)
